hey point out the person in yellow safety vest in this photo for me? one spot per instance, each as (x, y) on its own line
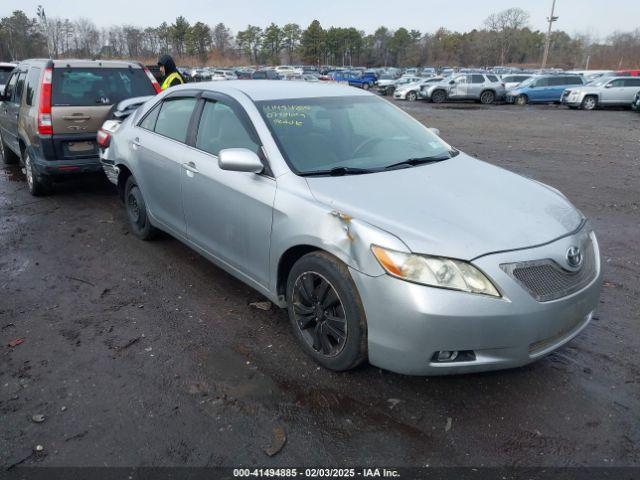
(170, 74)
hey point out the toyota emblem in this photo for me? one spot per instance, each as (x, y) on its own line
(574, 257)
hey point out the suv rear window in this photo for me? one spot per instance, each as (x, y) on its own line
(98, 86)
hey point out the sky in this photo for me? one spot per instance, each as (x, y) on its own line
(597, 18)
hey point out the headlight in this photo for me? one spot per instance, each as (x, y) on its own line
(434, 271)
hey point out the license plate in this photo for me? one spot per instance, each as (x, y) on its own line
(80, 146)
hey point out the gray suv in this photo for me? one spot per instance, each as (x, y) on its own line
(50, 112)
(603, 92)
(485, 88)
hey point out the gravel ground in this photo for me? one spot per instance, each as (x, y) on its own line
(146, 354)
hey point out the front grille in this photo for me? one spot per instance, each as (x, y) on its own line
(545, 280)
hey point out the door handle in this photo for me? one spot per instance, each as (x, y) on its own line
(77, 117)
(190, 166)
(136, 143)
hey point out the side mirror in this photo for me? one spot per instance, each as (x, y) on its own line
(608, 85)
(533, 85)
(3, 97)
(435, 131)
(452, 82)
(239, 160)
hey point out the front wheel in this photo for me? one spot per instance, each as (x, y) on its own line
(487, 97)
(137, 211)
(326, 312)
(521, 100)
(366, 86)
(412, 96)
(589, 103)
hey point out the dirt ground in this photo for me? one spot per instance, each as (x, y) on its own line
(146, 354)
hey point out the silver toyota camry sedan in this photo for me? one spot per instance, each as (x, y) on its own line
(384, 243)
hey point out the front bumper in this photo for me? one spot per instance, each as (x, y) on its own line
(572, 99)
(409, 323)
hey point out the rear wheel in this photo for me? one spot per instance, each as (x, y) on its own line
(326, 312)
(37, 185)
(487, 97)
(137, 211)
(366, 86)
(521, 100)
(412, 96)
(438, 96)
(7, 154)
(589, 103)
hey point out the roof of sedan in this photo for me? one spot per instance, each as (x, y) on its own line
(259, 90)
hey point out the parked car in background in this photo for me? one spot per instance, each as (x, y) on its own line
(512, 81)
(388, 85)
(5, 71)
(283, 70)
(543, 89)
(364, 80)
(483, 87)
(498, 272)
(604, 92)
(265, 74)
(224, 75)
(411, 91)
(52, 110)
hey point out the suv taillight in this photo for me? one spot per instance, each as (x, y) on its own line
(153, 80)
(45, 126)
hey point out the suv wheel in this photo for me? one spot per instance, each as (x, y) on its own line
(412, 96)
(521, 100)
(390, 91)
(589, 103)
(487, 97)
(137, 211)
(366, 86)
(37, 186)
(7, 154)
(438, 96)
(326, 312)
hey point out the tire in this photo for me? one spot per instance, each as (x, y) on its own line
(390, 91)
(326, 312)
(589, 103)
(137, 211)
(521, 100)
(487, 97)
(8, 157)
(366, 86)
(412, 96)
(37, 186)
(438, 96)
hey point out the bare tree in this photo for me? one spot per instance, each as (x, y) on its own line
(505, 25)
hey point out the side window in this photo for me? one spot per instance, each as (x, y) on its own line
(617, 83)
(461, 80)
(632, 82)
(17, 93)
(221, 128)
(11, 85)
(477, 79)
(493, 78)
(149, 121)
(574, 81)
(174, 116)
(32, 84)
(542, 82)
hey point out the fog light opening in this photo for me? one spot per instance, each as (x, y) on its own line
(446, 356)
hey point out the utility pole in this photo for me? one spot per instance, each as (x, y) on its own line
(547, 42)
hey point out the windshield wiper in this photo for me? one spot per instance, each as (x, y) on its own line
(412, 162)
(337, 172)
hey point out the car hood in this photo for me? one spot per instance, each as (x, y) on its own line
(460, 208)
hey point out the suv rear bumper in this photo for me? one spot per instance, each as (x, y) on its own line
(52, 157)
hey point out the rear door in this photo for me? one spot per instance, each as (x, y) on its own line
(11, 111)
(631, 87)
(159, 147)
(475, 87)
(81, 101)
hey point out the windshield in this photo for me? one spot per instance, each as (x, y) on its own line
(98, 86)
(349, 132)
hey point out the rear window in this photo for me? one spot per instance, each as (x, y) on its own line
(4, 75)
(98, 86)
(492, 78)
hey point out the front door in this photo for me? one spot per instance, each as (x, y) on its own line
(160, 148)
(228, 214)
(459, 87)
